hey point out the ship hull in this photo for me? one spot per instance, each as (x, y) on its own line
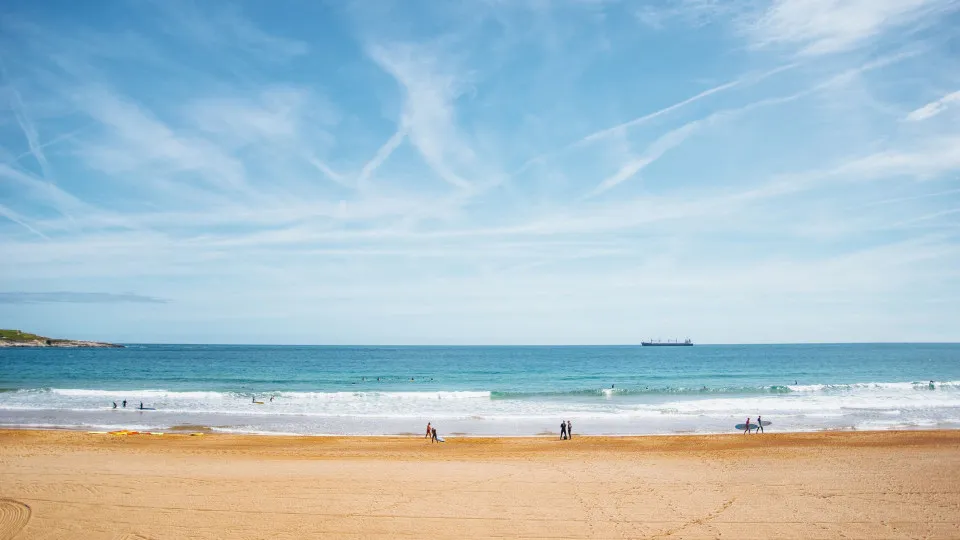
(650, 344)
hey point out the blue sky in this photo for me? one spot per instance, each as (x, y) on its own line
(481, 172)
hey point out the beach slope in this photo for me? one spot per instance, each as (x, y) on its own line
(810, 486)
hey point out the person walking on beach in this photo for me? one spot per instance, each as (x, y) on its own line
(569, 430)
(563, 430)
(429, 432)
(759, 425)
(746, 427)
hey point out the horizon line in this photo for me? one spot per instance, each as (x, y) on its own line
(571, 345)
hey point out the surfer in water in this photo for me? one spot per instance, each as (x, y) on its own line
(759, 425)
(124, 404)
(114, 404)
(746, 427)
(141, 405)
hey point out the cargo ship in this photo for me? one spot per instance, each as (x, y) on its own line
(668, 343)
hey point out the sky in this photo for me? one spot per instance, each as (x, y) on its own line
(481, 172)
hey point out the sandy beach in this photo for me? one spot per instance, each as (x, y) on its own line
(61, 484)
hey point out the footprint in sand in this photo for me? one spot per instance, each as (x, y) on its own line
(14, 515)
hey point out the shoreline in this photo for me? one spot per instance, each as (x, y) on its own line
(227, 430)
(214, 430)
(206, 431)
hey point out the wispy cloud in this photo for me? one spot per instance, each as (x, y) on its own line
(73, 297)
(26, 125)
(653, 152)
(20, 220)
(382, 154)
(428, 112)
(742, 81)
(135, 141)
(827, 26)
(934, 107)
(228, 29)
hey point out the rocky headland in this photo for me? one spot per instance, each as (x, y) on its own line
(17, 338)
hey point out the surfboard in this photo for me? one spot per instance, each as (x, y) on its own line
(146, 409)
(258, 403)
(441, 439)
(742, 427)
(764, 423)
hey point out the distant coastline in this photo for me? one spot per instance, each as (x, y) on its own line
(18, 338)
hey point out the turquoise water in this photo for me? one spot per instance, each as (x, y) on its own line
(484, 390)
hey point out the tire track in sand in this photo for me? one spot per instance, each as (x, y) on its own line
(14, 516)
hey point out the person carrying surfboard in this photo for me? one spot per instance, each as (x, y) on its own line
(433, 433)
(746, 427)
(759, 425)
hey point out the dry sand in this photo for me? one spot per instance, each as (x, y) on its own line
(68, 485)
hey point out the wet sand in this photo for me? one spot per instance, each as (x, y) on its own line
(59, 484)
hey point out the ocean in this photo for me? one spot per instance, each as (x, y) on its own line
(483, 391)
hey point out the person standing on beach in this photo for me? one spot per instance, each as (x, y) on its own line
(429, 432)
(569, 430)
(433, 434)
(563, 430)
(746, 427)
(759, 425)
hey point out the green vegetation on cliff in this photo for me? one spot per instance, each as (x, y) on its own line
(17, 335)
